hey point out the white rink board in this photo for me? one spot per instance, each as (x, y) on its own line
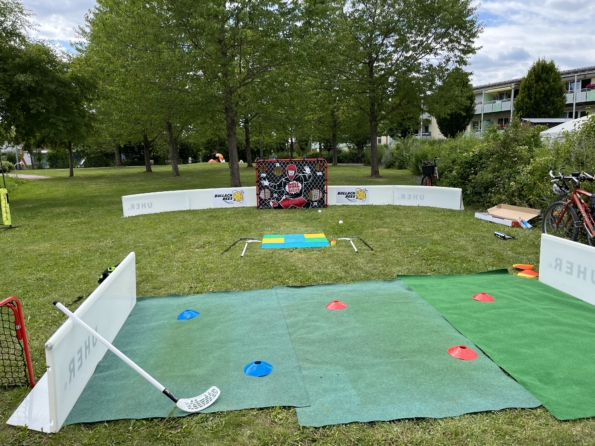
(72, 354)
(568, 266)
(430, 196)
(157, 202)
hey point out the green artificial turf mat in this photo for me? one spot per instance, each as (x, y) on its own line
(542, 337)
(385, 357)
(187, 357)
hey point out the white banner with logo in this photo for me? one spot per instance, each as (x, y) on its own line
(568, 266)
(224, 198)
(351, 195)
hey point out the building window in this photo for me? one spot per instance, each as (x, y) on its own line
(502, 122)
(379, 140)
(572, 86)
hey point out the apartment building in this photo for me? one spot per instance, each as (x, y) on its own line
(494, 103)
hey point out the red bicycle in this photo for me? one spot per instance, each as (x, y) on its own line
(576, 215)
(429, 172)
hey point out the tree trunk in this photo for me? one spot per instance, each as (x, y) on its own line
(118, 155)
(147, 152)
(32, 160)
(334, 136)
(70, 160)
(373, 117)
(261, 148)
(173, 150)
(291, 148)
(230, 122)
(248, 148)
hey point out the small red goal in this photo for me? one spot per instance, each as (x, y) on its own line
(15, 361)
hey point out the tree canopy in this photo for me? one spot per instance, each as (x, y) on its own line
(455, 103)
(542, 93)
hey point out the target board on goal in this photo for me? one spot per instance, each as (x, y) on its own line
(290, 183)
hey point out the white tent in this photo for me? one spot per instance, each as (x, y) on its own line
(559, 132)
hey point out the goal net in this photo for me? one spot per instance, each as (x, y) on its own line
(15, 361)
(291, 183)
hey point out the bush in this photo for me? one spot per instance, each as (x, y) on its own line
(504, 167)
(7, 166)
(11, 157)
(367, 156)
(57, 159)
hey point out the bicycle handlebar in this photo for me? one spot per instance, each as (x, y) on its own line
(575, 177)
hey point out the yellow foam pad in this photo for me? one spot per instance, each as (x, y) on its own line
(274, 240)
(314, 235)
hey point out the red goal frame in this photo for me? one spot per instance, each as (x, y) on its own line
(14, 304)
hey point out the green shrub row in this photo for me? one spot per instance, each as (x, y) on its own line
(510, 166)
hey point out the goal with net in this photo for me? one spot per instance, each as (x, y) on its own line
(15, 361)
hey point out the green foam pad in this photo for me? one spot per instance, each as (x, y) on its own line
(385, 357)
(190, 356)
(542, 337)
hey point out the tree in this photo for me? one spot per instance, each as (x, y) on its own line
(146, 87)
(542, 93)
(395, 44)
(456, 103)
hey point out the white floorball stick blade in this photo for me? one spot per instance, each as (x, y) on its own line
(200, 402)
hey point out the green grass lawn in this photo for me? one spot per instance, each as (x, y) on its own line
(71, 229)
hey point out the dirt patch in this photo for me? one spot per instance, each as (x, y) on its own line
(28, 177)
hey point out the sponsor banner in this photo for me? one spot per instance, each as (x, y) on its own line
(568, 266)
(223, 198)
(352, 195)
(431, 196)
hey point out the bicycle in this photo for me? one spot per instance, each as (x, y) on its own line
(568, 218)
(429, 172)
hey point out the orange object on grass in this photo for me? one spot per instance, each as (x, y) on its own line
(522, 266)
(528, 274)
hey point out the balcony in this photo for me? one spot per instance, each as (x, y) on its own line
(494, 106)
(584, 95)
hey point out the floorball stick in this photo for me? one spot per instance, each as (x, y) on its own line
(191, 405)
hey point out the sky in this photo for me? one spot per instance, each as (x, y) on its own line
(516, 33)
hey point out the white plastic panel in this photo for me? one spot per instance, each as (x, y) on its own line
(155, 203)
(568, 266)
(431, 196)
(72, 354)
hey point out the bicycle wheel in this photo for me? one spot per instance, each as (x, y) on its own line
(426, 181)
(560, 222)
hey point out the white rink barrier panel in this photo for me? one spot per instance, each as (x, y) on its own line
(568, 266)
(72, 354)
(156, 202)
(430, 196)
